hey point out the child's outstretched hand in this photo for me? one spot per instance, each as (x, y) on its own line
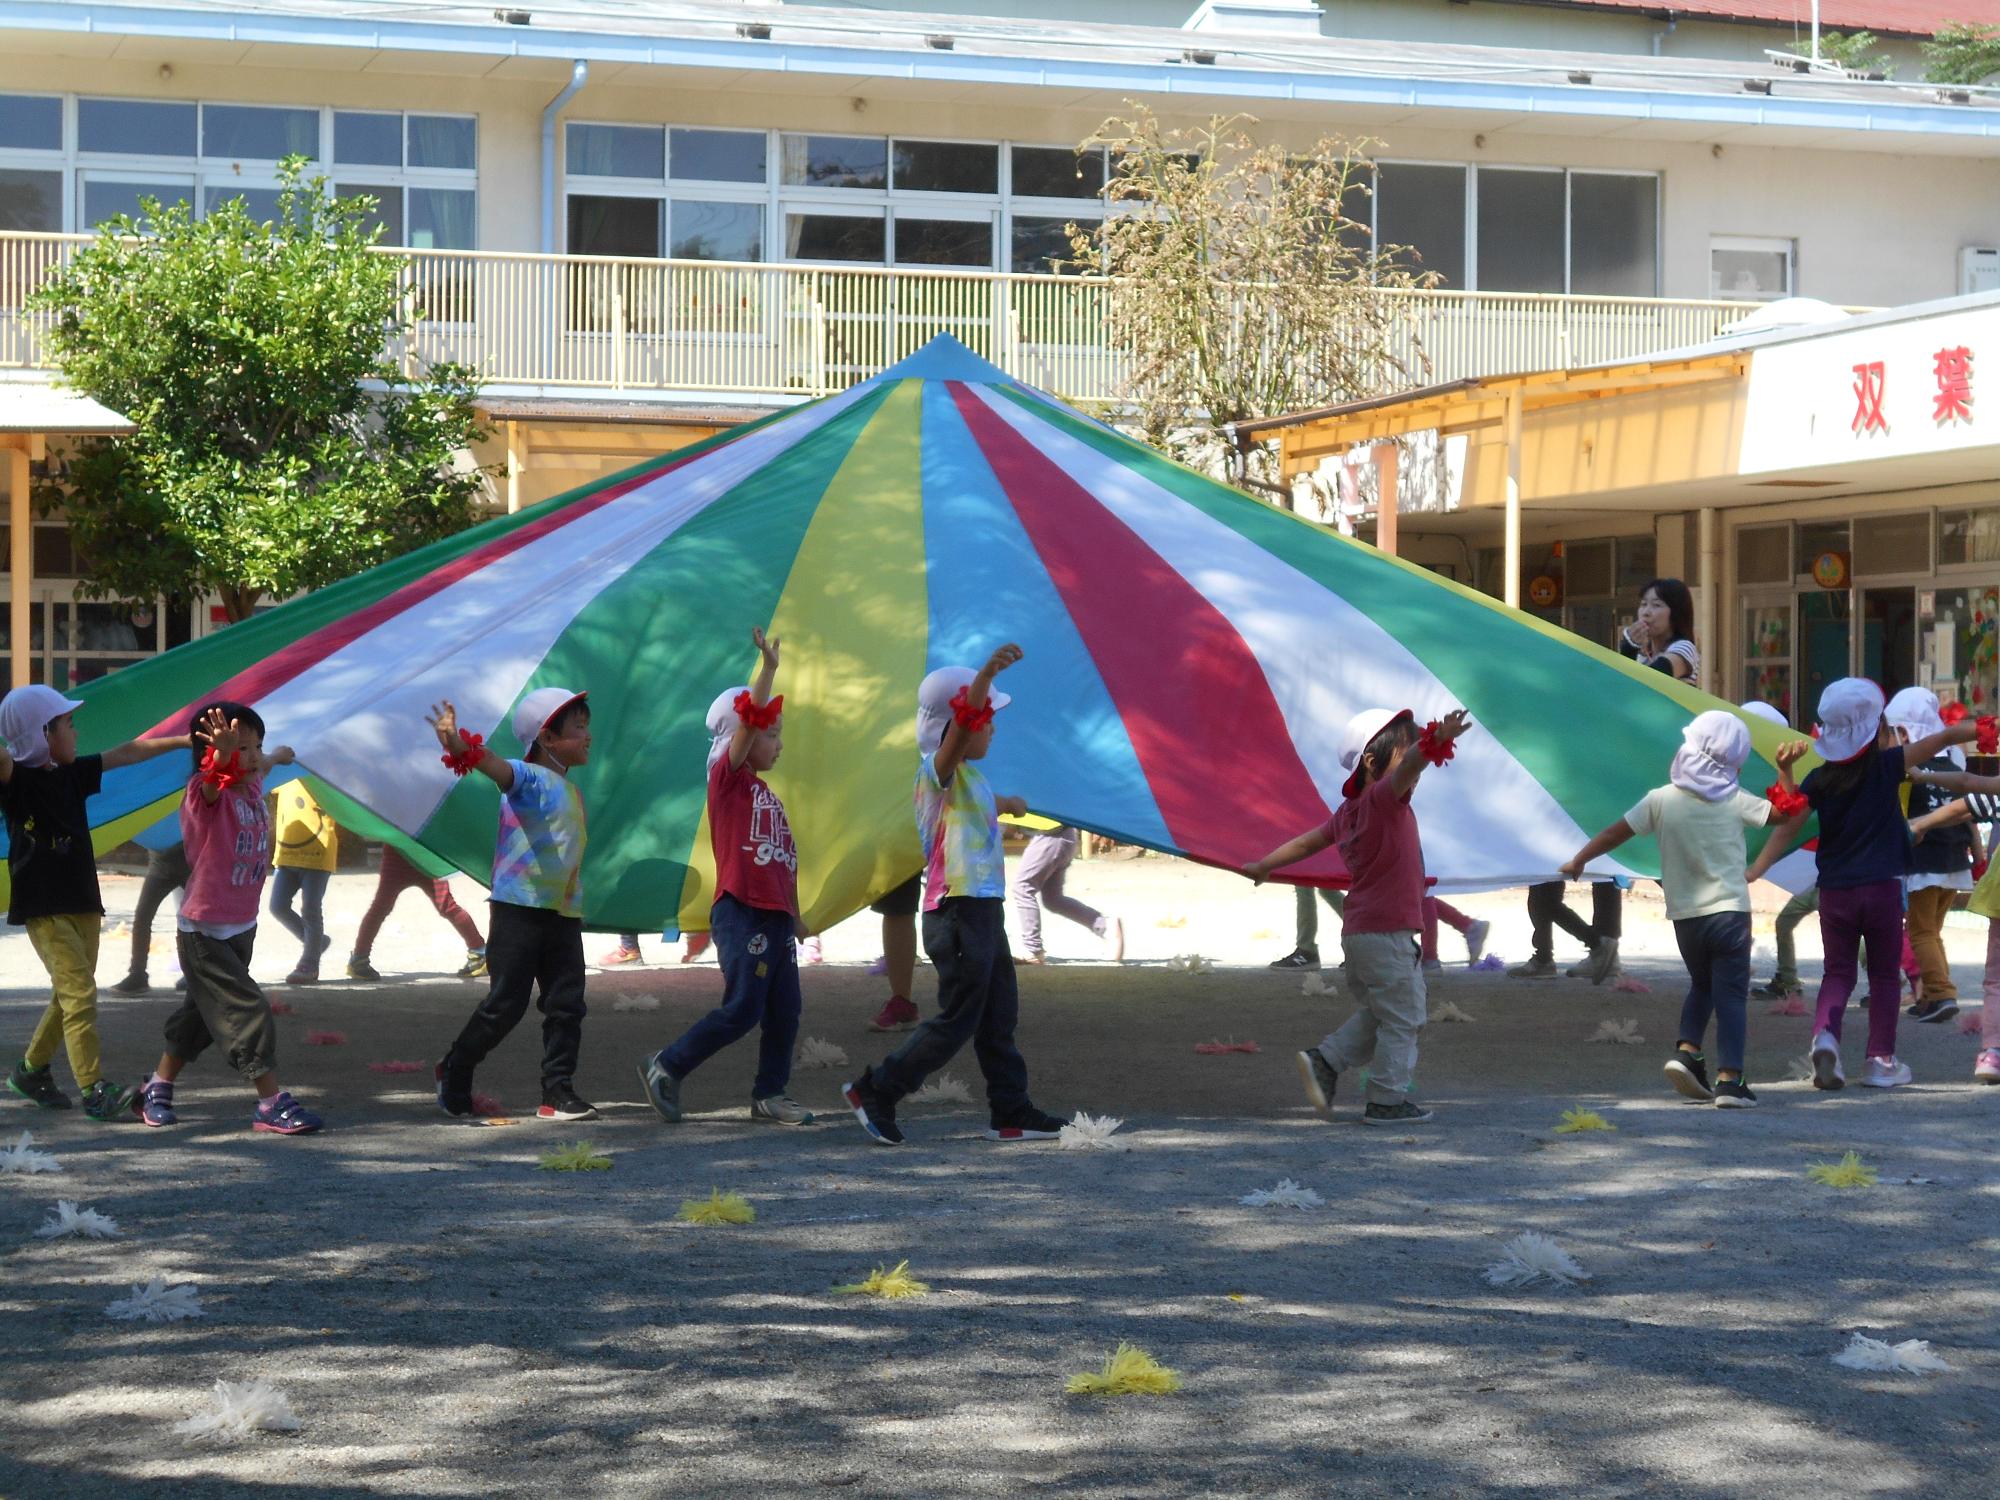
(1792, 752)
(1257, 872)
(220, 734)
(1453, 724)
(282, 756)
(1000, 661)
(767, 647)
(1573, 870)
(1012, 807)
(443, 718)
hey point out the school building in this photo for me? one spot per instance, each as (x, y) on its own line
(645, 221)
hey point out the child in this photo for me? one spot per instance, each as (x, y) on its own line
(965, 928)
(756, 910)
(397, 876)
(1980, 803)
(307, 849)
(1699, 818)
(227, 831)
(1940, 865)
(166, 872)
(44, 784)
(898, 911)
(1038, 882)
(1475, 931)
(1864, 852)
(536, 936)
(1377, 835)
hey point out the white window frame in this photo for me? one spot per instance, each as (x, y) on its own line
(1758, 244)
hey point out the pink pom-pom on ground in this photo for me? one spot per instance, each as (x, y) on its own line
(1791, 1005)
(1214, 1049)
(398, 1067)
(1627, 985)
(326, 1038)
(487, 1106)
(279, 1008)
(1968, 1024)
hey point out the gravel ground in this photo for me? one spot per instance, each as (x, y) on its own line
(449, 1320)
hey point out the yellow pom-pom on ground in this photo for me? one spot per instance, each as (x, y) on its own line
(718, 1208)
(581, 1157)
(1849, 1172)
(1575, 1120)
(881, 1283)
(1130, 1371)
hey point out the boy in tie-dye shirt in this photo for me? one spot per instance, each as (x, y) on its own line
(964, 923)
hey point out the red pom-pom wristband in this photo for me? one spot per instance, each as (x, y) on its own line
(465, 762)
(1989, 735)
(1433, 749)
(221, 774)
(970, 719)
(754, 715)
(1785, 804)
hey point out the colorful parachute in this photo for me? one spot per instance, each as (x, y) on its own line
(1191, 657)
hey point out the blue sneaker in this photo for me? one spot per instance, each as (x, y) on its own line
(156, 1103)
(281, 1114)
(663, 1090)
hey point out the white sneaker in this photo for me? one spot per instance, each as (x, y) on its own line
(1886, 1073)
(1826, 1068)
(1475, 940)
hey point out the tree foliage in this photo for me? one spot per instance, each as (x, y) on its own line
(1853, 51)
(1244, 282)
(279, 447)
(1962, 53)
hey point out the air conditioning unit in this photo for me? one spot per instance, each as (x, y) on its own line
(1978, 270)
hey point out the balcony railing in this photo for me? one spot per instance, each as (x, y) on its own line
(601, 324)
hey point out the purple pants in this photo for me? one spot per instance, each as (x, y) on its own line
(1038, 882)
(1872, 912)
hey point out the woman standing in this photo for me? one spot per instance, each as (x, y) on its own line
(1662, 637)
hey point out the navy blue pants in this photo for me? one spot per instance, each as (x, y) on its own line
(966, 938)
(760, 984)
(1716, 950)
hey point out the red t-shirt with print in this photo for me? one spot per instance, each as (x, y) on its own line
(754, 858)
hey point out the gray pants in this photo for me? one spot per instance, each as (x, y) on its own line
(1038, 882)
(223, 1004)
(1386, 983)
(166, 872)
(1801, 906)
(308, 924)
(1308, 913)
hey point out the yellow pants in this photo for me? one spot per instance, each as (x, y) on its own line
(67, 947)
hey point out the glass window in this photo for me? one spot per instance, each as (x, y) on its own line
(836, 161)
(946, 167)
(1764, 554)
(1892, 544)
(943, 242)
(1587, 570)
(443, 219)
(614, 226)
(1423, 209)
(717, 155)
(1960, 630)
(1638, 565)
(1520, 231)
(1613, 235)
(1750, 270)
(30, 123)
(104, 198)
(1042, 245)
(1057, 172)
(616, 150)
(30, 201)
(367, 140)
(261, 202)
(246, 132)
(443, 141)
(135, 127)
(1767, 655)
(54, 558)
(835, 237)
(1816, 539)
(716, 231)
(388, 210)
(1968, 536)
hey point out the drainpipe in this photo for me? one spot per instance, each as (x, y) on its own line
(1661, 36)
(577, 76)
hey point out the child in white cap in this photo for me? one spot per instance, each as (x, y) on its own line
(756, 912)
(1376, 832)
(44, 785)
(1940, 863)
(964, 917)
(535, 938)
(1699, 818)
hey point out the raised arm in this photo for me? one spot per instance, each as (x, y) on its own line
(133, 751)
(443, 718)
(1290, 853)
(760, 694)
(1790, 754)
(1958, 783)
(1404, 777)
(952, 751)
(1931, 745)
(1943, 817)
(1618, 833)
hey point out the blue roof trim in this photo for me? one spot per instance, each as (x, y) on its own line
(1169, 79)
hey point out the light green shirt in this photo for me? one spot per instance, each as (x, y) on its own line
(1701, 847)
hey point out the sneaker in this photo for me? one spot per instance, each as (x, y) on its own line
(454, 1089)
(663, 1090)
(360, 968)
(1688, 1073)
(105, 1100)
(1475, 940)
(1778, 987)
(474, 966)
(562, 1103)
(1319, 1077)
(1541, 966)
(900, 1014)
(1827, 1073)
(1114, 940)
(1885, 1073)
(1407, 1112)
(1432, 966)
(134, 983)
(1037, 958)
(1857, 1002)
(809, 952)
(1026, 1124)
(303, 975)
(780, 1110)
(619, 955)
(1932, 1010)
(1987, 1069)
(37, 1084)
(1298, 958)
(281, 1114)
(156, 1103)
(876, 1114)
(1734, 1093)
(1601, 965)
(180, 985)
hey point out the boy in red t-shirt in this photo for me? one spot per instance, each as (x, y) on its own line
(1377, 835)
(756, 911)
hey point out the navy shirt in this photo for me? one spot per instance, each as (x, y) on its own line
(1863, 837)
(49, 854)
(1942, 851)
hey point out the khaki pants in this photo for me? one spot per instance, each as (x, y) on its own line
(1387, 986)
(67, 947)
(1926, 928)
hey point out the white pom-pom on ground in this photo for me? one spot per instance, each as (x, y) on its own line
(238, 1408)
(1444, 1010)
(1911, 1357)
(1619, 1033)
(944, 1089)
(67, 1218)
(156, 1302)
(1531, 1257)
(636, 1002)
(23, 1157)
(1190, 963)
(1313, 984)
(1089, 1133)
(1287, 1194)
(817, 1052)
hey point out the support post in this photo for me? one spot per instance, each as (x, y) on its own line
(1511, 426)
(20, 563)
(1708, 574)
(1386, 468)
(517, 460)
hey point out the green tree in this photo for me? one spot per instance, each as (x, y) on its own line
(1962, 53)
(1853, 51)
(279, 447)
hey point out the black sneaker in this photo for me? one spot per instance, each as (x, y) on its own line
(562, 1103)
(1319, 1077)
(454, 1087)
(1026, 1124)
(360, 968)
(1408, 1112)
(1688, 1073)
(134, 983)
(1734, 1093)
(1298, 958)
(1932, 1010)
(37, 1084)
(105, 1100)
(876, 1114)
(663, 1090)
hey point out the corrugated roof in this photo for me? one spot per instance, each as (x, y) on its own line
(651, 413)
(1883, 17)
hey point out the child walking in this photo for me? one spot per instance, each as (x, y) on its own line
(44, 785)
(307, 851)
(964, 920)
(756, 910)
(227, 831)
(535, 941)
(398, 875)
(1699, 818)
(1376, 831)
(1979, 802)
(1940, 865)
(1038, 882)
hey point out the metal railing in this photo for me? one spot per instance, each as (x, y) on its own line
(605, 324)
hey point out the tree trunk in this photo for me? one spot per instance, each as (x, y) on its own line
(238, 604)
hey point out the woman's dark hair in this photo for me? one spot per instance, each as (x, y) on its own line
(1680, 607)
(575, 708)
(241, 713)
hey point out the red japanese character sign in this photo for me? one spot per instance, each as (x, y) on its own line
(1868, 388)
(1953, 368)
